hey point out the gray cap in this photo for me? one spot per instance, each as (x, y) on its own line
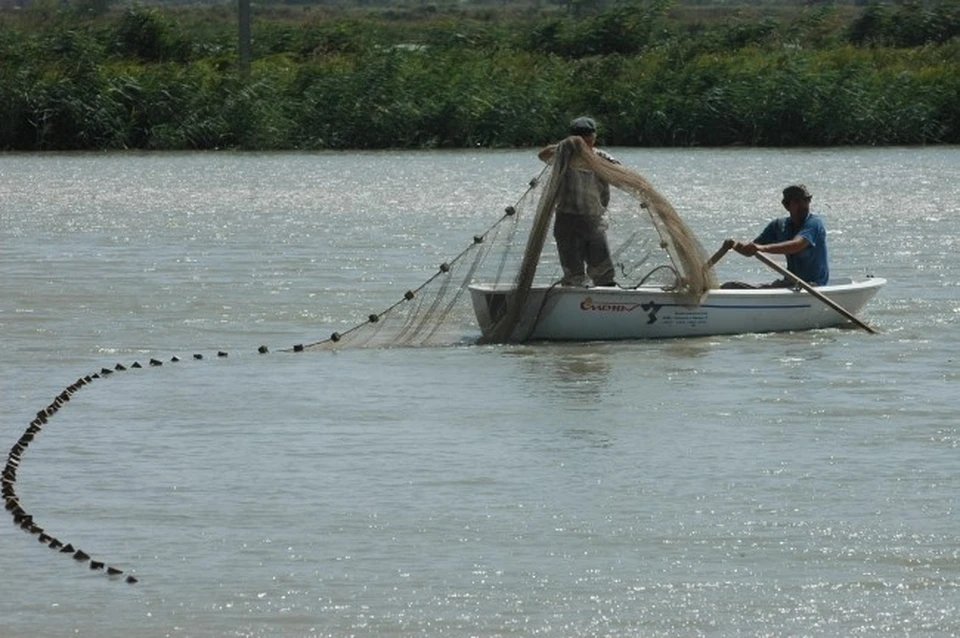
(795, 191)
(583, 126)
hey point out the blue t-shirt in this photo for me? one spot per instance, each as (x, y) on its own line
(810, 264)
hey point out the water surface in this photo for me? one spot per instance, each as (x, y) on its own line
(792, 484)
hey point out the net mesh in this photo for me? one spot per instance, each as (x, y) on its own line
(650, 245)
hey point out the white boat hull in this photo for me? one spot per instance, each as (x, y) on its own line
(648, 312)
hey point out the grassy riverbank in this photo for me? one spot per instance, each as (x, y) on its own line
(651, 73)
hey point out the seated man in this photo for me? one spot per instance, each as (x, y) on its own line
(802, 237)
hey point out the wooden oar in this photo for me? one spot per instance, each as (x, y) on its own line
(724, 249)
(813, 291)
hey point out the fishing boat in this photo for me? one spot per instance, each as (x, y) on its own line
(567, 313)
(668, 283)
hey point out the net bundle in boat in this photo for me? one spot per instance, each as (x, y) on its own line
(650, 245)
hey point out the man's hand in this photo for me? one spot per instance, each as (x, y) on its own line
(748, 250)
(546, 154)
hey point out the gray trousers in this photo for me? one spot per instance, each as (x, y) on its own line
(582, 241)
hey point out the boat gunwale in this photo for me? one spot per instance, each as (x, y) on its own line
(855, 284)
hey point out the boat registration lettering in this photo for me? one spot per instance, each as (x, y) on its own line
(689, 318)
(590, 306)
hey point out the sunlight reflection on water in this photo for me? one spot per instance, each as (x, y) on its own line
(789, 483)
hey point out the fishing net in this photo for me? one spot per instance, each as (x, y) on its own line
(650, 245)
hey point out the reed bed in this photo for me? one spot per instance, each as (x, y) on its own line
(153, 78)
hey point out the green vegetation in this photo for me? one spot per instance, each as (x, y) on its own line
(653, 74)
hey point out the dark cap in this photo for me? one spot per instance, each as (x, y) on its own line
(795, 191)
(583, 126)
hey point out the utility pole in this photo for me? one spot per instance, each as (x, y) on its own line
(243, 15)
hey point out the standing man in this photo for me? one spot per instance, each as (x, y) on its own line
(580, 228)
(802, 237)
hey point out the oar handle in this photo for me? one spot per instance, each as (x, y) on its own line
(813, 291)
(717, 256)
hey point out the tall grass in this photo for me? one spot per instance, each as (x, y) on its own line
(153, 79)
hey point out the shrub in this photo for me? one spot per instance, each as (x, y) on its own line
(146, 34)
